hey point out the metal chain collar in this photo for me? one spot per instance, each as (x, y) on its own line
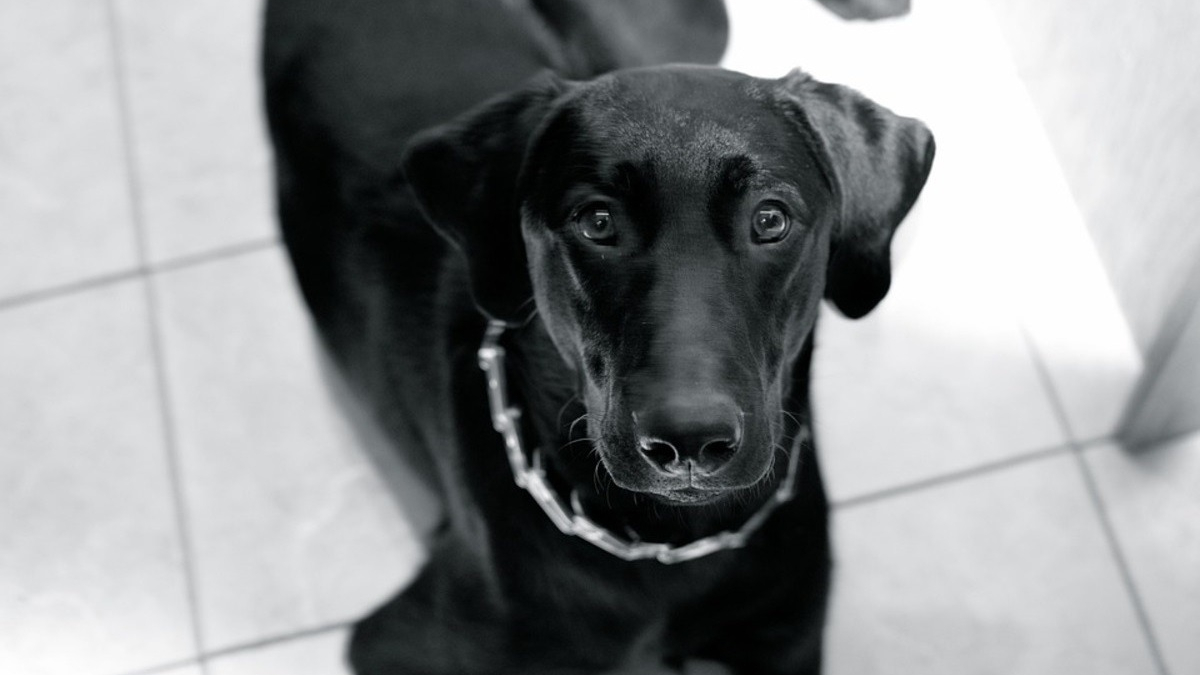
(530, 475)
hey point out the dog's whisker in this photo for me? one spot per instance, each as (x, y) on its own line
(596, 478)
(571, 429)
(564, 446)
(527, 302)
(795, 417)
(562, 411)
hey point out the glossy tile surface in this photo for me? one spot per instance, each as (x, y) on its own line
(1003, 573)
(199, 140)
(322, 654)
(184, 670)
(937, 379)
(91, 571)
(291, 524)
(64, 199)
(1153, 500)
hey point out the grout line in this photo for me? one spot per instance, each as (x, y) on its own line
(162, 667)
(1043, 373)
(70, 288)
(214, 255)
(1095, 442)
(242, 647)
(125, 115)
(174, 470)
(141, 271)
(277, 639)
(1114, 544)
(1101, 511)
(954, 476)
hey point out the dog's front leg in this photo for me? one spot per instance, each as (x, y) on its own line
(441, 624)
(775, 629)
(788, 652)
(450, 621)
(785, 642)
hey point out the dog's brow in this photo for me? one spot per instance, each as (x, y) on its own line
(735, 175)
(737, 172)
(636, 183)
(630, 179)
(622, 179)
(740, 174)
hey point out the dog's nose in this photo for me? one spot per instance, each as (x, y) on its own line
(699, 435)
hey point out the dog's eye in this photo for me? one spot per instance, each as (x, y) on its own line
(596, 223)
(771, 224)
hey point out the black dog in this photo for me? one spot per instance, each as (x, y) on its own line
(656, 241)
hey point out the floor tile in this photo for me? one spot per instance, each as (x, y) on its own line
(1006, 180)
(91, 572)
(936, 380)
(193, 669)
(64, 196)
(1153, 500)
(292, 525)
(1056, 280)
(203, 163)
(1006, 574)
(322, 654)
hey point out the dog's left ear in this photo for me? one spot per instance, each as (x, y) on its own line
(464, 176)
(877, 163)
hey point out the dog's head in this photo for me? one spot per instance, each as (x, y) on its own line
(675, 229)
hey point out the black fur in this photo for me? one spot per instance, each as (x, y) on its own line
(429, 178)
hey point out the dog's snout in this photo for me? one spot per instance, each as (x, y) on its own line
(699, 435)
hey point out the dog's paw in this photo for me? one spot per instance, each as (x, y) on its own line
(867, 9)
(705, 668)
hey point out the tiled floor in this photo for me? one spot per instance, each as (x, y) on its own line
(181, 493)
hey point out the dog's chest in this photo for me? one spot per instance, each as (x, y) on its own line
(646, 652)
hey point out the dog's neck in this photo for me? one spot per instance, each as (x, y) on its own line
(546, 389)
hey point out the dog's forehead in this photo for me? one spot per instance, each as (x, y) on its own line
(674, 144)
(681, 134)
(679, 114)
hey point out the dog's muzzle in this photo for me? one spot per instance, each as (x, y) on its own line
(530, 475)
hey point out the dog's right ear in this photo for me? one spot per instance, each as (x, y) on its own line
(464, 176)
(877, 162)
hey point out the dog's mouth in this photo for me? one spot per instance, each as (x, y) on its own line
(611, 481)
(690, 496)
(625, 471)
(603, 455)
(706, 492)
(695, 490)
